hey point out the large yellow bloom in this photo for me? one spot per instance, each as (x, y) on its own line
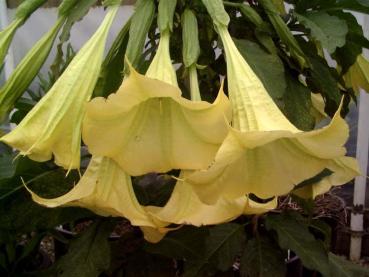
(264, 153)
(107, 190)
(184, 207)
(147, 126)
(53, 126)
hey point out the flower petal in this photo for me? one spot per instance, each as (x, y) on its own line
(147, 126)
(184, 207)
(106, 190)
(344, 169)
(270, 163)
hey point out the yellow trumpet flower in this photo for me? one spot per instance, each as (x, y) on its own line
(148, 127)
(264, 153)
(184, 207)
(107, 190)
(53, 126)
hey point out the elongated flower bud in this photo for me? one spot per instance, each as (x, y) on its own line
(21, 15)
(53, 126)
(27, 70)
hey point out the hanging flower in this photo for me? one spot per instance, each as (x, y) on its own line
(147, 126)
(53, 126)
(106, 190)
(184, 207)
(264, 153)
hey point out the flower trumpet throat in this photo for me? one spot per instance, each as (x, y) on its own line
(264, 153)
(147, 126)
(53, 126)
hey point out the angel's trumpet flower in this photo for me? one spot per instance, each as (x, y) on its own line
(264, 153)
(184, 206)
(53, 126)
(106, 190)
(147, 126)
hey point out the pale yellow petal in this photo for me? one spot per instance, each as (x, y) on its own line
(253, 108)
(152, 235)
(106, 190)
(357, 76)
(343, 170)
(270, 163)
(147, 126)
(318, 106)
(184, 207)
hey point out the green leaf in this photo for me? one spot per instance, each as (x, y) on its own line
(332, 5)
(284, 33)
(355, 41)
(329, 30)
(19, 214)
(268, 67)
(138, 29)
(88, 254)
(341, 267)
(186, 243)
(8, 166)
(293, 235)
(323, 79)
(262, 258)
(223, 245)
(297, 104)
(111, 74)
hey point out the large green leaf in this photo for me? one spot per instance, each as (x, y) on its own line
(327, 5)
(111, 74)
(297, 104)
(295, 236)
(223, 245)
(89, 254)
(341, 267)
(186, 243)
(268, 67)
(329, 30)
(284, 33)
(262, 258)
(17, 207)
(355, 41)
(19, 214)
(8, 166)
